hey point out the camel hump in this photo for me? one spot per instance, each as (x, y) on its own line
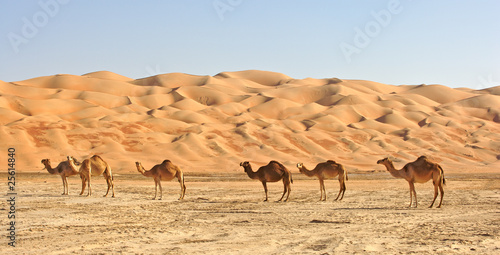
(97, 157)
(278, 163)
(166, 161)
(422, 158)
(331, 161)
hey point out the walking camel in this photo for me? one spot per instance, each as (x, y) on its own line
(165, 171)
(419, 171)
(272, 172)
(327, 170)
(63, 169)
(94, 166)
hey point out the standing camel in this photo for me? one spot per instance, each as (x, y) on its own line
(419, 171)
(63, 169)
(94, 166)
(272, 172)
(326, 170)
(165, 171)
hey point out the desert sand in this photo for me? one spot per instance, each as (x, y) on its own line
(207, 125)
(225, 214)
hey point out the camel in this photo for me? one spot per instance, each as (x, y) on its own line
(94, 166)
(165, 171)
(419, 171)
(326, 170)
(272, 172)
(63, 169)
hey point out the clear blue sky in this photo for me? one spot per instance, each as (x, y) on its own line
(454, 43)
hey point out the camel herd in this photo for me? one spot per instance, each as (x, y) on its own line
(420, 171)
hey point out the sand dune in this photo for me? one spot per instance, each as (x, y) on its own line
(212, 123)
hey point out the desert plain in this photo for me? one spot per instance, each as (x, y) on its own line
(207, 125)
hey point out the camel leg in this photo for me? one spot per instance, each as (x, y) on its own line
(89, 192)
(289, 188)
(435, 194)
(183, 188)
(161, 190)
(322, 189)
(265, 189)
(109, 181)
(64, 185)
(442, 194)
(156, 189)
(342, 190)
(286, 190)
(84, 184)
(412, 190)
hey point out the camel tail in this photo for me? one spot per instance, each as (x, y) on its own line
(442, 175)
(180, 176)
(109, 168)
(345, 172)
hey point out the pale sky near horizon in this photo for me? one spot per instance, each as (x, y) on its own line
(453, 43)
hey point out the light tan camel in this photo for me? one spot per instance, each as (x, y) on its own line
(165, 171)
(272, 172)
(327, 170)
(63, 169)
(419, 171)
(94, 166)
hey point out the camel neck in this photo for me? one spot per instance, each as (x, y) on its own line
(393, 171)
(250, 172)
(143, 171)
(73, 166)
(307, 172)
(50, 169)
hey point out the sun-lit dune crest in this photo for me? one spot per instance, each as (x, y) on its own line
(189, 104)
(262, 77)
(9, 116)
(481, 101)
(439, 93)
(397, 120)
(172, 80)
(353, 100)
(90, 112)
(492, 91)
(274, 108)
(107, 75)
(370, 87)
(102, 99)
(81, 83)
(204, 95)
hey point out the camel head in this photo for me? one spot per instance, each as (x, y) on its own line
(46, 162)
(299, 166)
(71, 159)
(139, 167)
(384, 161)
(245, 165)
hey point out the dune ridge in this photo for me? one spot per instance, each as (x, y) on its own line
(211, 123)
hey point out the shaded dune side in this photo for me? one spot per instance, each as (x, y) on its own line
(211, 123)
